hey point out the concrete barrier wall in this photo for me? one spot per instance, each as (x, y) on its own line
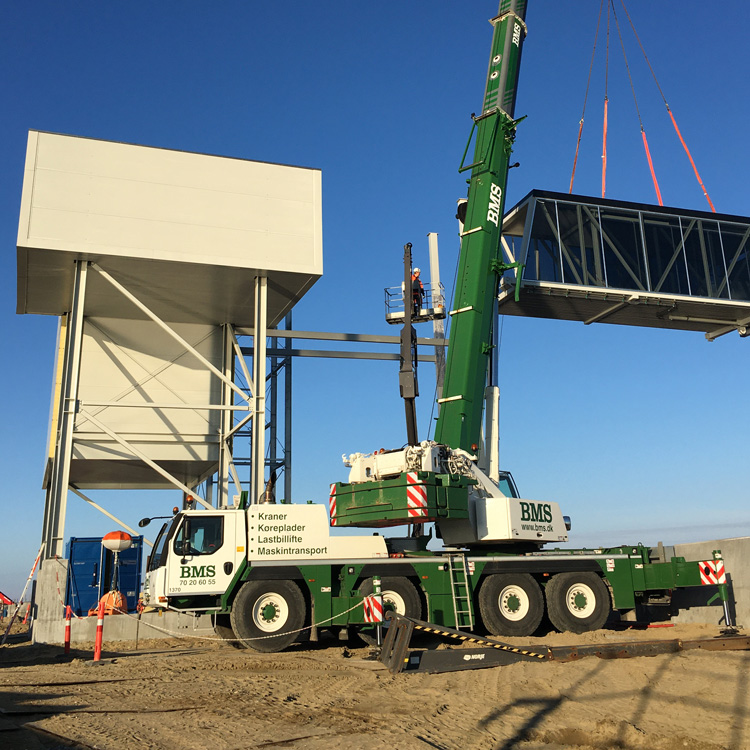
(692, 603)
(48, 624)
(149, 625)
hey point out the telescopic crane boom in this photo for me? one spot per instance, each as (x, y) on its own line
(473, 313)
(440, 480)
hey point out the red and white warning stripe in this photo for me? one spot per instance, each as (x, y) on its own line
(416, 496)
(373, 608)
(332, 505)
(712, 572)
(99, 630)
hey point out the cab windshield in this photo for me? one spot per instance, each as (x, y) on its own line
(506, 485)
(200, 535)
(157, 557)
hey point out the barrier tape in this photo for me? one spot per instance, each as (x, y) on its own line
(234, 640)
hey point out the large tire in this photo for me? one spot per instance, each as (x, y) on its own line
(511, 604)
(577, 602)
(263, 609)
(399, 595)
(223, 628)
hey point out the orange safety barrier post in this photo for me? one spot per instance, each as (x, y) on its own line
(68, 614)
(99, 632)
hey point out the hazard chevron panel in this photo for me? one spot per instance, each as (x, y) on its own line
(712, 572)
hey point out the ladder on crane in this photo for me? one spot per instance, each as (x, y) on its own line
(460, 591)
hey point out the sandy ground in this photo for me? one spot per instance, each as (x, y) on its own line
(199, 694)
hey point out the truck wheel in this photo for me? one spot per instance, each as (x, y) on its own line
(399, 595)
(511, 604)
(267, 615)
(577, 602)
(223, 628)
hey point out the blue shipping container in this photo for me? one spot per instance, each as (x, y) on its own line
(90, 571)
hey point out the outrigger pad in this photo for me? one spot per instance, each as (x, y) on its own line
(453, 660)
(396, 656)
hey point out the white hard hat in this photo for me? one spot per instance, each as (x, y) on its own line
(417, 270)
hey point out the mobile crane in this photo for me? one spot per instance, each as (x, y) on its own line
(269, 573)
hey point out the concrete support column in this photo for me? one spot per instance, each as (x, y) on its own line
(49, 595)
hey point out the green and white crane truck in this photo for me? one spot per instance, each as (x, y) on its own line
(270, 573)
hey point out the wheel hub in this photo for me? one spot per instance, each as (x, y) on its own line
(270, 613)
(580, 600)
(513, 603)
(393, 602)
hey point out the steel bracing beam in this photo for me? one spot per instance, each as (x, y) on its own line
(143, 457)
(105, 512)
(167, 329)
(364, 338)
(333, 354)
(730, 268)
(611, 310)
(258, 446)
(610, 242)
(225, 442)
(288, 416)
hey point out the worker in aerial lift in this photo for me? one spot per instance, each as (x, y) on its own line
(417, 290)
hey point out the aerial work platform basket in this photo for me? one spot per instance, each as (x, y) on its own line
(430, 307)
(596, 260)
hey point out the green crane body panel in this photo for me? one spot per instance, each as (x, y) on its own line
(384, 503)
(332, 590)
(473, 310)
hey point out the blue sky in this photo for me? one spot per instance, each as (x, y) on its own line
(639, 434)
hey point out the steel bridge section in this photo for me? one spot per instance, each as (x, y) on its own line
(596, 260)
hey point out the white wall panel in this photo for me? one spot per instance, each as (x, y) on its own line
(136, 362)
(125, 206)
